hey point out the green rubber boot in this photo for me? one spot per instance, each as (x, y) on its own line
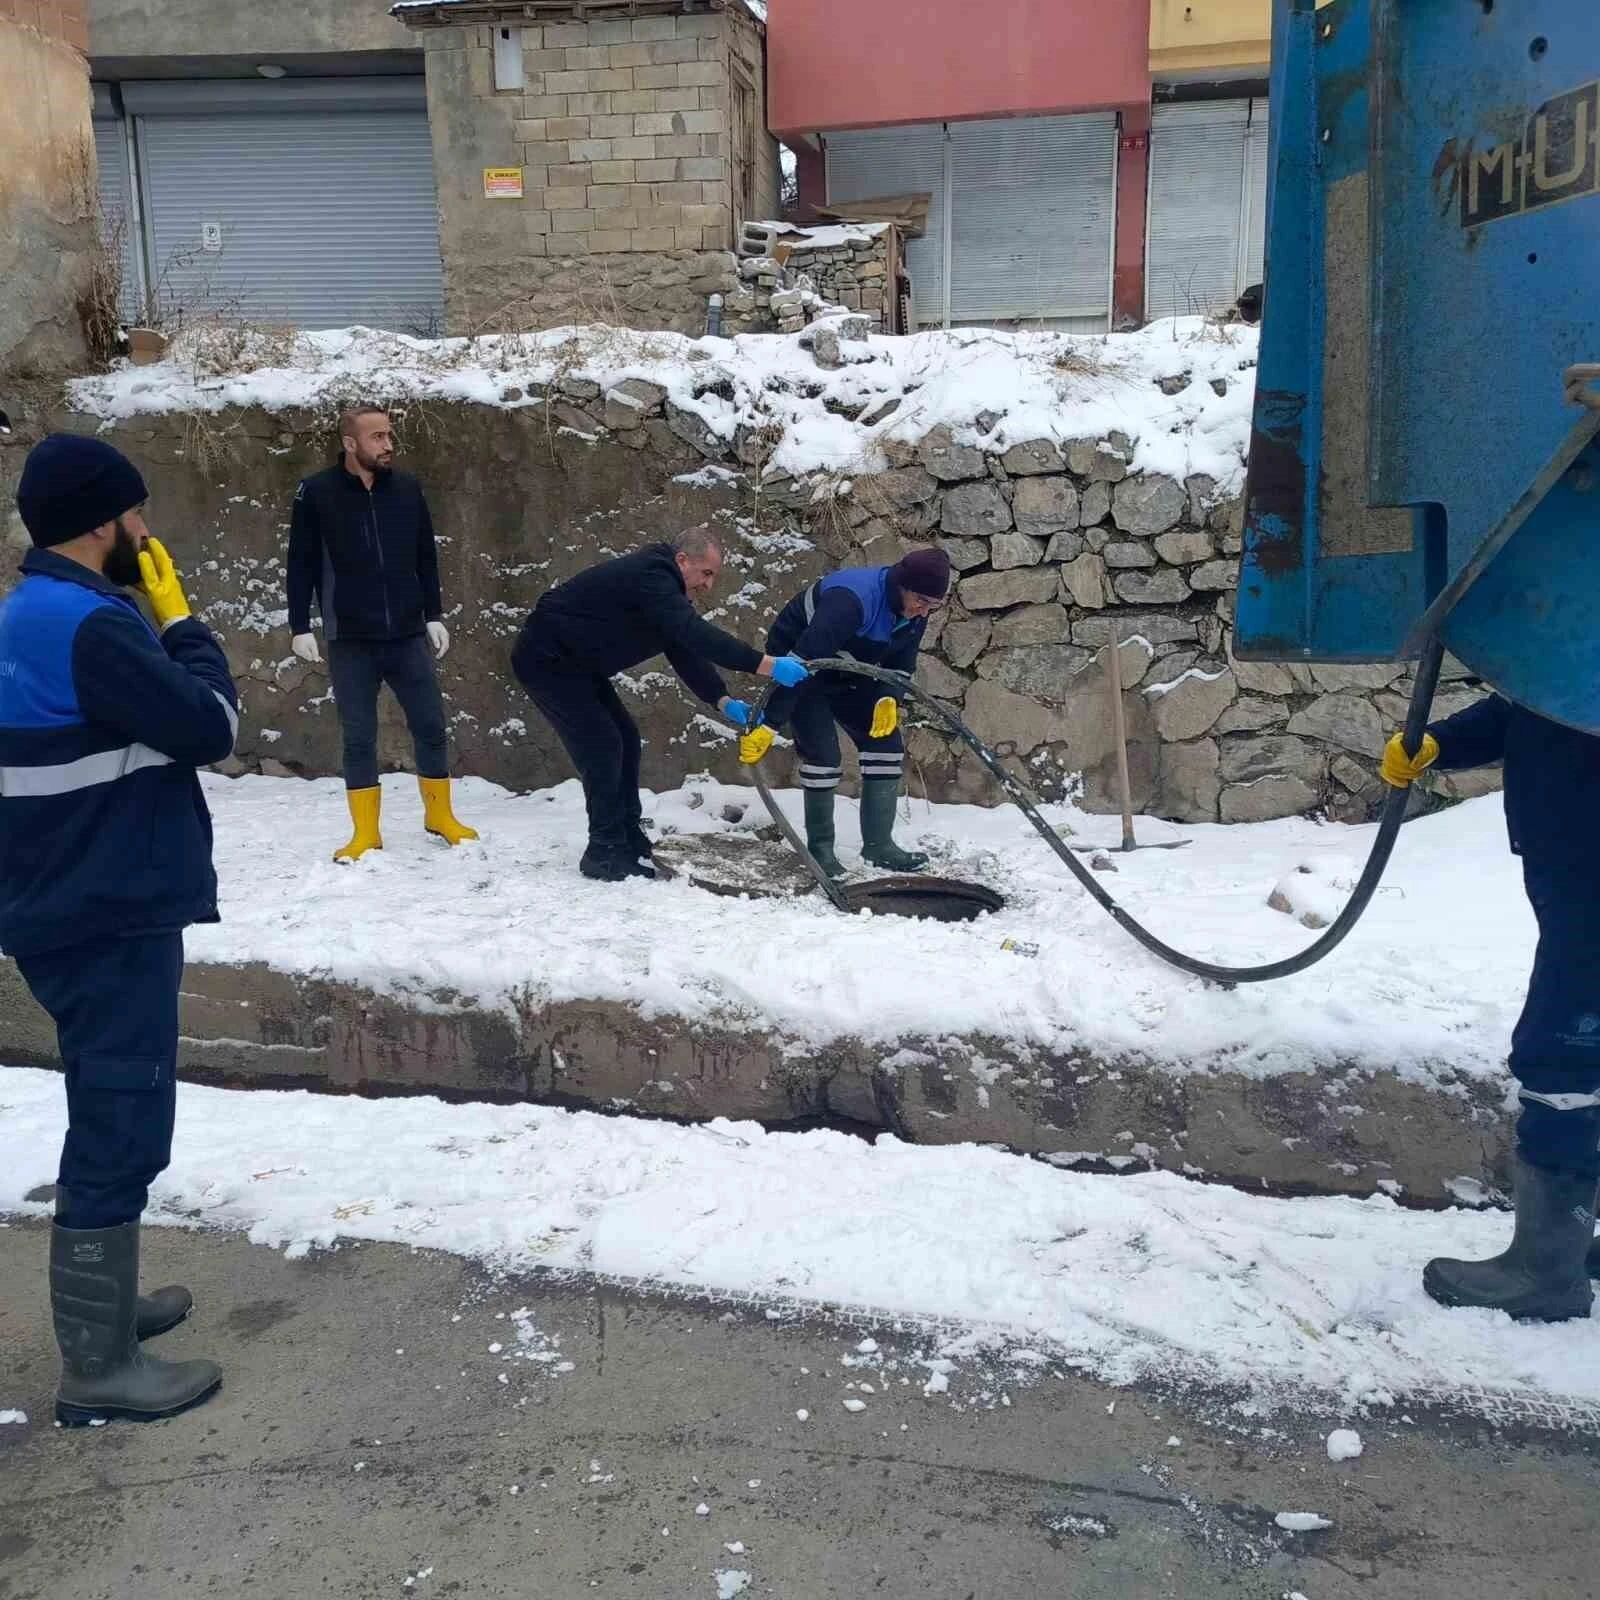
(879, 797)
(1542, 1276)
(819, 831)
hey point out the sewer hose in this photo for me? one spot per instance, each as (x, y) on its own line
(1389, 821)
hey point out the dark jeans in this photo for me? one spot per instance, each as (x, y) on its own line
(115, 1006)
(1555, 1050)
(823, 705)
(594, 727)
(358, 668)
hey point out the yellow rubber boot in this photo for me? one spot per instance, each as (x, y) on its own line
(437, 817)
(364, 805)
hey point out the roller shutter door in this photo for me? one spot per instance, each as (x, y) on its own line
(118, 225)
(308, 212)
(1208, 187)
(1033, 221)
(878, 162)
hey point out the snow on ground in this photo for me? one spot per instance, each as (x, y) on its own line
(1024, 385)
(1429, 984)
(1310, 1303)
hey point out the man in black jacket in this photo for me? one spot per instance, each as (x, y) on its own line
(1552, 796)
(602, 622)
(361, 542)
(105, 858)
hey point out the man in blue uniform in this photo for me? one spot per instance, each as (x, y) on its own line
(876, 615)
(1552, 792)
(105, 858)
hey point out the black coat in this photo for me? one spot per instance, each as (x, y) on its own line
(1552, 777)
(368, 555)
(615, 615)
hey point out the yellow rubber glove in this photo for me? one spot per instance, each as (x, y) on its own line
(161, 584)
(1400, 770)
(754, 745)
(885, 717)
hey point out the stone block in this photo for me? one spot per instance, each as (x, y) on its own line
(611, 241)
(686, 145)
(939, 680)
(1124, 555)
(994, 591)
(564, 199)
(1097, 460)
(964, 639)
(975, 510)
(656, 171)
(1190, 706)
(1248, 714)
(948, 461)
(1045, 506)
(1267, 799)
(676, 194)
(536, 106)
(611, 127)
(629, 55)
(611, 197)
(1147, 505)
(1158, 627)
(1187, 785)
(1067, 546)
(1008, 550)
(903, 488)
(703, 122)
(651, 30)
(1185, 546)
(612, 81)
(1211, 576)
(634, 148)
(1044, 671)
(1275, 755)
(701, 74)
(708, 169)
(694, 430)
(654, 239)
(569, 175)
(1034, 457)
(572, 221)
(1162, 586)
(1005, 720)
(1342, 720)
(1084, 583)
(567, 82)
(1094, 504)
(590, 105)
(532, 130)
(654, 79)
(565, 35)
(669, 52)
(1335, 679)
(653, 124)
(612, 172)
(582, 57)
(1033, 624)
(589, 150)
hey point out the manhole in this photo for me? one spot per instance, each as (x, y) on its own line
(935, 899)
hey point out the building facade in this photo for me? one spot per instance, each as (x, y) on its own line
(1088, 166)
(47, 236)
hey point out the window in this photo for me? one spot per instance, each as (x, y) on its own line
(743, 142)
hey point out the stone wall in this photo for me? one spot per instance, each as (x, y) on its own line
(47, 185)
(1058, 549)
(622, 133)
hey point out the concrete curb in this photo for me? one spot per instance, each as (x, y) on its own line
(1344, 1131)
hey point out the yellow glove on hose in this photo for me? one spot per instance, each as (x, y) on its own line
(885, 717)
(161, 584)
(1400, 770)
(754, 745)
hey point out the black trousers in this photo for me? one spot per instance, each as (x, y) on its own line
(115, 1006)
(595, 729)
(359, 668)
(1555, 1050)
(824, 704)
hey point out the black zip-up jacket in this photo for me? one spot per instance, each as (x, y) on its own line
(615, 615)
(1552, 779)
(368, 555)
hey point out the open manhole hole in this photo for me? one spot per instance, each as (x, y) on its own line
(935, 899)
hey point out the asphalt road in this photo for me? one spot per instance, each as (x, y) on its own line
(369, 1442)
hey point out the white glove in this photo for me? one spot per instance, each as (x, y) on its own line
(304, 645)
(439, 638)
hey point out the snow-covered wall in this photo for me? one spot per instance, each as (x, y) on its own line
(1085, 488)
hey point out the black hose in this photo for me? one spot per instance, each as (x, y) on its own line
(1394, 813)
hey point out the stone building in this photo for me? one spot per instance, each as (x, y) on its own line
(46, 184)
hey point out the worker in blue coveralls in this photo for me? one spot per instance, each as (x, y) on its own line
(875, 615)
(1552, 793)
(105, 858)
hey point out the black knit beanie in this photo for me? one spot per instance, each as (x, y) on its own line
(71, 485)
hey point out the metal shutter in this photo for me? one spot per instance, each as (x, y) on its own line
(1206, 233)
(327, 218)
(117, 221)
(875, 162)
(1033, 220)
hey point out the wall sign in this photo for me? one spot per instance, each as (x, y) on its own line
(502, 183)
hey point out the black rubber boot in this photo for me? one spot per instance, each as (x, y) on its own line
(162, 1310)
(1543, 1275)
(879, 798)
(94, 1299)
(605, 863)
(1594, 1259)
(639, 845)
(819, 831)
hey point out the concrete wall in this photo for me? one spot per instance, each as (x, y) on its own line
(1197, 37)
(621, 131)
(265, 29)
(867, 63)
(47, 184)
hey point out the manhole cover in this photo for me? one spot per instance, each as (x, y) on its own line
(734, 864)
(936, 899)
